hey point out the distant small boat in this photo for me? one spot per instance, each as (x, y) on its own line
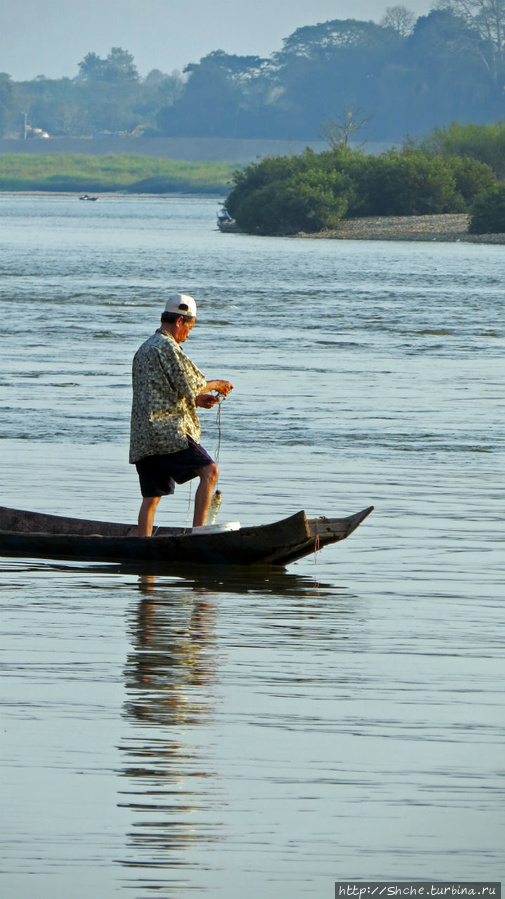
(87, 197)
(37, 535)
(226, 223)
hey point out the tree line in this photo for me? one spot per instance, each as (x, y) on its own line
(404, 75)
(107, 95)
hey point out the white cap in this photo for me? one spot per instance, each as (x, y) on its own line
(181, 304)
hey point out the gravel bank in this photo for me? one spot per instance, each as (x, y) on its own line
(411, 227)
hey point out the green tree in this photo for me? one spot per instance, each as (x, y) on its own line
(53, 105)
(471, 176)
(217, 92)
(157, 91)
(305, 201)
(487, 19)
(488, 212)
(285, 195)
(110, 93)
(7, 102)
(484, 143)
(331, 66)
(110, 109)
(312, 41)
(91, 68)
(452, 81)
(117, 68)
(409, 183)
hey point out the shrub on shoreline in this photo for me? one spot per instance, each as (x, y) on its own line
(314, 192)
(488, 212)
(484, 143)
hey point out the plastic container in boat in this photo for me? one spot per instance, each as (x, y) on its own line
(216, 528)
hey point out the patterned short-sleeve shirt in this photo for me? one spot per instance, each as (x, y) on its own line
(165, 384)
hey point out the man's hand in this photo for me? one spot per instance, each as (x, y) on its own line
(206, 400)
(222, 387)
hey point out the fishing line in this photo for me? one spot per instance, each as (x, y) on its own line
(317, 544)
(218, 419)
(215, 503)
(188, 512)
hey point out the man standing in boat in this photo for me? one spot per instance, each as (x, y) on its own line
(165, 429)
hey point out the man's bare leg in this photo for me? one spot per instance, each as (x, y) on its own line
(146, 515)
(208, 479)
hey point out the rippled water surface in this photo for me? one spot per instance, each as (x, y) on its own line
(263, 733)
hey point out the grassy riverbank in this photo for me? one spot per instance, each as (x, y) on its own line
(135, 174)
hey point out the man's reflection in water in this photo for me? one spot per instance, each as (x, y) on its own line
(169, 677)
(174, 795)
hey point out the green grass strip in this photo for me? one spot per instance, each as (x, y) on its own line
(135, 174)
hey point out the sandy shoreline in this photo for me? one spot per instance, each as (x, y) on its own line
(412, 227)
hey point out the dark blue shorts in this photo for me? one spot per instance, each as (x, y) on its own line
(158, 475)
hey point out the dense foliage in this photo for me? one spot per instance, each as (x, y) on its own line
(488, 212)
(407, 75)
(313, 192)
(483, 142)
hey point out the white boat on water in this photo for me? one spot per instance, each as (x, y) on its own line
(226, 223)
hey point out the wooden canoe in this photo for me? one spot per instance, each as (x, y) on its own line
(36, 535)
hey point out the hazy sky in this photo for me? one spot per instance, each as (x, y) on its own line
(50, 37)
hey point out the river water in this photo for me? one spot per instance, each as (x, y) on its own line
(261, 734)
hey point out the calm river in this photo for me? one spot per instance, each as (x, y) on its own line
(254, 736)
